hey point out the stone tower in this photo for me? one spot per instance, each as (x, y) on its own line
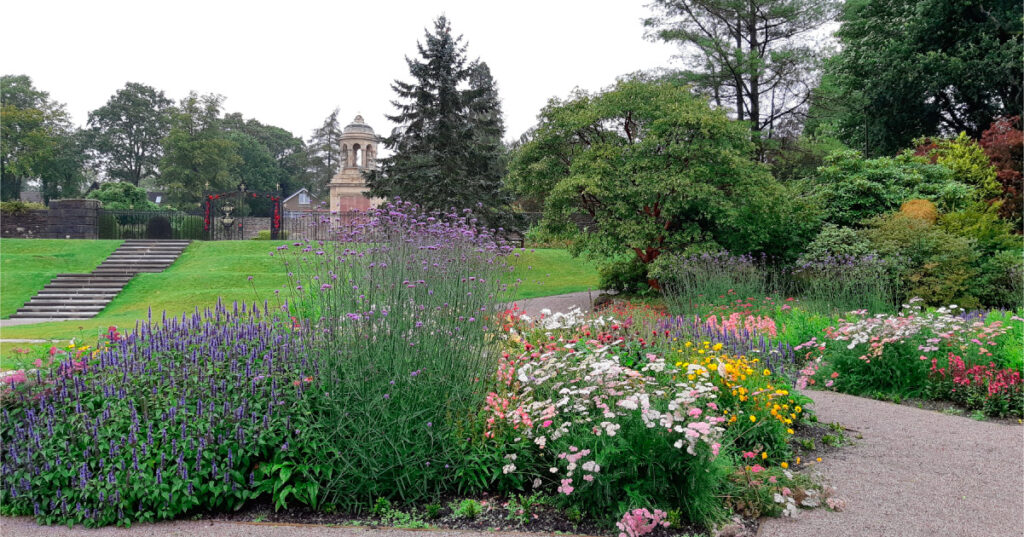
(358, 154)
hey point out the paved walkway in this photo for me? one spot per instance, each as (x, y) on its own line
(915, 473)
(563, 303)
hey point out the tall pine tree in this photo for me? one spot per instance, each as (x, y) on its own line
(447, 150)
(324, 151)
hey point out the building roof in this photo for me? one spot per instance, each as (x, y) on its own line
(358, 126)
(296, 193)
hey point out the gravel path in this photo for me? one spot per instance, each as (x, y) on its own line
(915, 473)
(563, 303)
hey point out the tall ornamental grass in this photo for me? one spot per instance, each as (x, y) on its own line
(399, 314)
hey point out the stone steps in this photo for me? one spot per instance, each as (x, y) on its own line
(83, 296)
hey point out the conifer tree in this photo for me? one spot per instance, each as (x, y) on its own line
(447, 149)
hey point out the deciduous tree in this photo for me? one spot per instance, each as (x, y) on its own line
(128, 131)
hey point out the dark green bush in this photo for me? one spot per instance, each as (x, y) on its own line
(623, 276)
(189, 227)
(159, 227)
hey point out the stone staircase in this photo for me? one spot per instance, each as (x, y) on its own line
(81, 296)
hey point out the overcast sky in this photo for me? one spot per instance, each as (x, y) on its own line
(290, 63)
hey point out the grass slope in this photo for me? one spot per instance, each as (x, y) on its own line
(208, 270)
(26, 265)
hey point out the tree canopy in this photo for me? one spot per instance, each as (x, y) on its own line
(755, 57)
(447, 149)
(922, 68)
(655, 168)
(128, 131)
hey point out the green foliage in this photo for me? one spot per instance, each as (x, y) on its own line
(448, 150)
(123, 196)
(923, 67)
(749, 56)
(128, 130)
(655, 167)
(381, 506)
(624, 276)
(433, 510)
(1000, 261)
(934, 265)
(966, 158)
(833, 240)
(198, 157)
(273, 160)
(15, 208)
(853, 188)
(325, 156)
(469, 509)
(691, 281)
(264, 235)
(37, 141)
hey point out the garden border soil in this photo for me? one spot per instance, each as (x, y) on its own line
(914, 473)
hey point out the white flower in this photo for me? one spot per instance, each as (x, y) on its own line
(508, 468)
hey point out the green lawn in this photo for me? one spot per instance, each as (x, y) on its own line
(26, 265)
(208, 270)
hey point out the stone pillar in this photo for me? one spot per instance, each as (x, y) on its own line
(74, 219)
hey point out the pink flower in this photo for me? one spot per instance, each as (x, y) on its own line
(748, 455)
(756, 468)
(588, 477)
(566, 487)
(694, 412)
(715, 447)
(547, 423)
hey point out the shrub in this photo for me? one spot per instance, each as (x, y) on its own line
(920, 209)
(1004, 145)
(965, 158)
(15, 208)
(623, 276)
(206, 411)
(834, 241)
(934, 265)
(123, 196)
(159, 227)
(854, 189)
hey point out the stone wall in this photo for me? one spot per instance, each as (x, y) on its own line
(30, 225)
(74, 219)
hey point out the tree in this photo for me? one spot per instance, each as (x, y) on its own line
(324, 154)
(272, 159)
(33, 132)
(63, 174)
(446, 151)
(129, 129)
(654, 167)
(915, 68)
(751, 56)
(1004, 145)
(198, 156)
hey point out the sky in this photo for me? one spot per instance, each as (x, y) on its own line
(291, 63)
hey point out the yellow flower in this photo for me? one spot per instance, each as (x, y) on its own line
(688, 344)
(767, 373)
(798, 409)
(717, 347)
(678, 364)
(790, 431)
(753, 418)
(819, 459)
(764, 455)
(798, 460)
(784, 465)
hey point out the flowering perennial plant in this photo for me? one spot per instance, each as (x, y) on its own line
(193, 412)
